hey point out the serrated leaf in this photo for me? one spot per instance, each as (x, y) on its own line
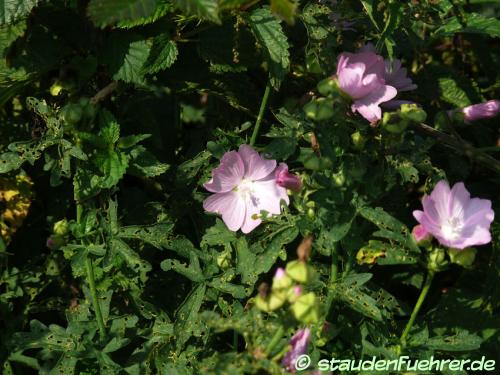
(112, 165)
(143, 163)
(156, 235)
(125, 55)
(357, 299)
(206, 9)
(270, 36)
(162, 55)
(474, 23)
(11, 10)
(109, 12)
(462, 341)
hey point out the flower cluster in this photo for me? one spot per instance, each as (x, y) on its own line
(369, 81)
(287, 287)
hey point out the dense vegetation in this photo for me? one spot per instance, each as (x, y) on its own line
(116, 114)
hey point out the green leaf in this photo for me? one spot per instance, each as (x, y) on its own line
(462, 341)
(11, 10)
(133, 260)
(452, 93)
(474, 23)
(143, 163)
(112, 165)
(126, 54)
(192, 271)
(206, 9)
(187, 319)
(162, 55)
(270, 36)
(109, 12)
(156, 235)
(350, 292)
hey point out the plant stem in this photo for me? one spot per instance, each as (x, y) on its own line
(418, 305)
(93, 292)
(334, 270)
(275, 340)
(91, 280)
(262, 109)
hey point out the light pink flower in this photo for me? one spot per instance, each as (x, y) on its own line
(361, 77)
(481, 111)
(280, 273)
(244, 184)
(298, 346)
(454, 218)
(286, 179)
(396, 76)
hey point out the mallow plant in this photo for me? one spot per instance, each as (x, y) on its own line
(248, 187)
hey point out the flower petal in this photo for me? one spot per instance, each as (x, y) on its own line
(230, 206)
(227, 175)
(256, 167)
(459, 198)
(441, 196)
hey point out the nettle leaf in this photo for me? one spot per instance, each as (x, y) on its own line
(125, 13)
(11, 10)
(452, 93)
(474, 23)
(272, 39)
(162, 55)
(126, 54)
(112, 165)
(206, 9)
(143, 163)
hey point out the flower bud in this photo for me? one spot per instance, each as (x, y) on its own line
(319, 109)
(54, 242)
(421, 236)
(358, 140)
(61, 227)
(273, 302)
(306, 308)
(286, 179)
(464, 258)
(224, 260)
(481, 111)
(300, 271)
(294, 293)
(437, 260)
(281, 281)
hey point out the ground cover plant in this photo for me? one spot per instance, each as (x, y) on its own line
(248, 187)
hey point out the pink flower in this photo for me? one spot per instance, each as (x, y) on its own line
(298, 346)
(420, 234)
(481, 111)
(286, 179)
(396, 76)
(244, 184)
(361, 76)
(280, 273)
(456, 220)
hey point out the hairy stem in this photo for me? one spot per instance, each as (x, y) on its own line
(418, 305)
(461, 146)
(263, 106)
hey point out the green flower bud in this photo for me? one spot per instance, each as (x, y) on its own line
(306, 309)
(61, 227)
(281, 281)
(273, 302)
(437, 260)
(358, 140)
(464, 258)
(300, 271)
(319, 109)
(224, 260)
(339, 178)
(328, 86)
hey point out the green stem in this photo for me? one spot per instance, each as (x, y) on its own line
(93, 292)
(260, 116)
(91, 280)
(275, 340)
(418, 305)
(334, 271)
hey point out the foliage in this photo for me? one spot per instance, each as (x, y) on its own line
(114, 113)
